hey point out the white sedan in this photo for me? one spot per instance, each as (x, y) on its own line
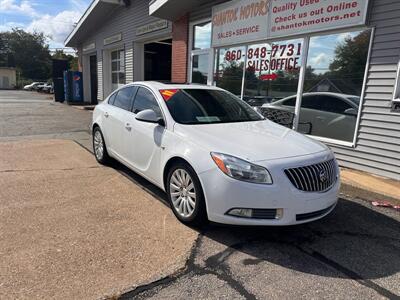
(215, 157)
(324, 114)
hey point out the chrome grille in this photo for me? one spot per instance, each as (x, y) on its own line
(314, 178)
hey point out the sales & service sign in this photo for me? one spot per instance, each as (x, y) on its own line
(245, 21)
(240, 21)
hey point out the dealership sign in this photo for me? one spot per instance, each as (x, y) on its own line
(240, 21)
(245, 21)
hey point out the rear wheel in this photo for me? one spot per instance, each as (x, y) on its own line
(186, 195)
(99, 146)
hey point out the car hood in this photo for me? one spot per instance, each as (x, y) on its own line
(252, 141)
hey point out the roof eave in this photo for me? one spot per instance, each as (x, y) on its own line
(71, 40)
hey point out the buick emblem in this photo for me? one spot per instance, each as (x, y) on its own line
(322, 176)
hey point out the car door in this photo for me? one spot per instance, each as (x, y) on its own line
(143, 142)
(115, 118)
(332, 120)
(310, 109)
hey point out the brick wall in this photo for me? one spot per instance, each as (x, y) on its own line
(180, 37)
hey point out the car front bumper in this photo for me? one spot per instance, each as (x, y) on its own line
(223, 193)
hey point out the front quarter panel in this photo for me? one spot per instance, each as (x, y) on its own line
(97, 113)
(174, 146)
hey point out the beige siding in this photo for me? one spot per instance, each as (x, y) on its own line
(99, 74)
(129, 63)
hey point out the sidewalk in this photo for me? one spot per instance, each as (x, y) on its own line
(370, 187)
(73, 229)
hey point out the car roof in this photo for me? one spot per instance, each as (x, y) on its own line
(323, 93)
(165, 86)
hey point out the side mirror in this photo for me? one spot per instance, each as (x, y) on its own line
(351, 112)
(149, 116)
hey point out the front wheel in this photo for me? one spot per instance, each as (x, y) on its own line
(99, 147)
(186, 195)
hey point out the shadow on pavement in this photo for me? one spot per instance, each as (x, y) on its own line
(354, 241)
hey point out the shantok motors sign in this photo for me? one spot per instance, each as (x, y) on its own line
(239, 21)
(246, 21)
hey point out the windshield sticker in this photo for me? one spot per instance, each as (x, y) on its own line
(167, 94)
(208, 119)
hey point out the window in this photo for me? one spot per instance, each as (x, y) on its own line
(229, 69)
(334, 78)
(200, 53)
(145, 100)
(200, 68)
(397, 86)
(117, 68)
(202, 36)
(112, 98)
(272, 70)
(201, 106)
(123, 98)
(290, 102)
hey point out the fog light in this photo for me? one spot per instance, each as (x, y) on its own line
(279, 213)
(241, 212)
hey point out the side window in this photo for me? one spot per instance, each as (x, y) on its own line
(333, 104)
(311, 102)
(112, 98)
(145, 100)
(124, 98)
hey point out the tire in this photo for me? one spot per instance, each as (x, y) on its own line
(181, 195)
(99, 147)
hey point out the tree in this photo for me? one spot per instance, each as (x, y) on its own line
(231, 78)
(72, 59)
(350, 59)
(28, 52)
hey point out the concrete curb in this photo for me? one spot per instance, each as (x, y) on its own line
(357, 192)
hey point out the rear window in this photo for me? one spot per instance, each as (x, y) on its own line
(202, 106)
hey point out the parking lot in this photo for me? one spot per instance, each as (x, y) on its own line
(71, 228)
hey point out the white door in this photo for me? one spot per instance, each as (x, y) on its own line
(116, 126)
(143, 143)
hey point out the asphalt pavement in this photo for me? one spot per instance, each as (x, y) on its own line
(30, 115)
(352, 253)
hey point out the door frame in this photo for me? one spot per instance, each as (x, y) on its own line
(138, 59)
(90, 79)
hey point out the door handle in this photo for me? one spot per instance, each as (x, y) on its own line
(128, 126)
(106, 114)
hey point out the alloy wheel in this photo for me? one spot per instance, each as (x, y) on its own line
(98, 145)
(183, 193)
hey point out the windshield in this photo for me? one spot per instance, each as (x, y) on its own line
(201, 106)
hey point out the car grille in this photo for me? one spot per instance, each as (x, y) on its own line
(314, 214)
(314, 178)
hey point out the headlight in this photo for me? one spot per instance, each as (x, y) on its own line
(240, 169)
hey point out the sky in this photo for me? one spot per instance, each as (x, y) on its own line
(55, 18)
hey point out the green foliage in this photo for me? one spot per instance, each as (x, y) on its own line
(231, 78)
(28, 52)
(72, 60)
(351, 55)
